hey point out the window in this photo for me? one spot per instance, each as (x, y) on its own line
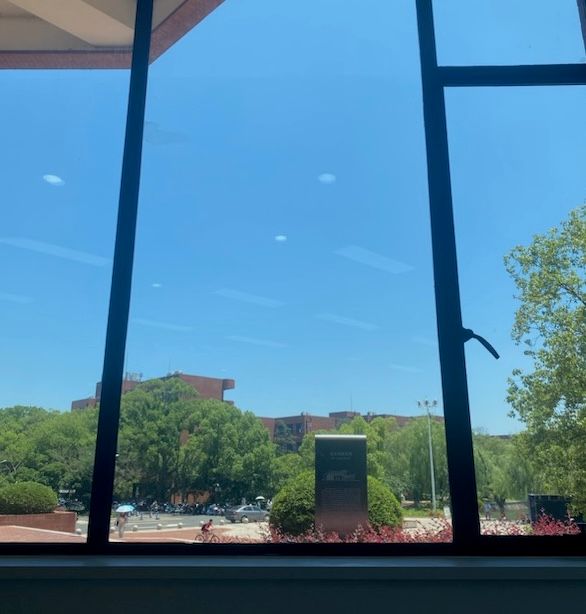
(62, 138)
(540, 305)
(519, 211)
(274, 251)
(509, 32)
(282, 258)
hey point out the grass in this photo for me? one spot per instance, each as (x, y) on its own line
(420, 512)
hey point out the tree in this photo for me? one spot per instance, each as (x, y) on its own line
(170, 441)
(503, 470)
(283, 439)
(227, 447)
(173, 442)
(374, 444)
(407, 460)
(18, 456)
(550, 322)
(152, 418)
(285, 468)
(50, 447)
(64, 446)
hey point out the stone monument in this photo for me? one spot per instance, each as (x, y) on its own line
(341, 500)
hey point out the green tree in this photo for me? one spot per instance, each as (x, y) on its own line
(407, 461)
(283, 439)
(227, 447)
(374, 444)
(64, 446)
(550, 322)
(152, 419)
(285, 468)
(503, 469)
(172, 441)
(50, 447)
(19, 460)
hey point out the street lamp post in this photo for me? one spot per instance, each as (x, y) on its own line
(428, 405)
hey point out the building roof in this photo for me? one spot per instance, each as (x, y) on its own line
(88, 33)
(207, 387)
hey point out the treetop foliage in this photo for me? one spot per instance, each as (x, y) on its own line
(550, 276)
(174, 443)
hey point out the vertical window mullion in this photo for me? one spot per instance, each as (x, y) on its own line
(460, 455)
(107, 437)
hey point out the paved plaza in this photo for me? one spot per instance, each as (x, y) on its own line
(179, 529)
(26, 534)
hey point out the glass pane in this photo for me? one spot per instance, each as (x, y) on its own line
(517, 161)
(508, 32)
(62, 138)
(283, 280)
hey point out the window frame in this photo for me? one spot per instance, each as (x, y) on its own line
(467, 540)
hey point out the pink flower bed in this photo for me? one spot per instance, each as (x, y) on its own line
(439, 531)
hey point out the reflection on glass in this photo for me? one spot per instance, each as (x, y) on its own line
(61, 152)
(283, 282)
(508, 32)
(516, 157)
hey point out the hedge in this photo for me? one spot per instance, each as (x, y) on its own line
(293, 510)
(27, 498)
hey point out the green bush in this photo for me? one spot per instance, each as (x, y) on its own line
(27, 498)
(293, 510)
(384, 509)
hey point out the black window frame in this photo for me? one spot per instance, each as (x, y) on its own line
(467, 539)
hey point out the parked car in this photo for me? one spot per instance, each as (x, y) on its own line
(246, 513)
(72, 505)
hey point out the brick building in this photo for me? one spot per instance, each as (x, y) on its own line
(207, 387)
(296, 427)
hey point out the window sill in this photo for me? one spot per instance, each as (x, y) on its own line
(342, 569)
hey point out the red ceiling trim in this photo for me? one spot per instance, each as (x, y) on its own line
(166, 34)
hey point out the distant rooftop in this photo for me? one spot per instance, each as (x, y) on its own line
(299, 425)
(207, 387)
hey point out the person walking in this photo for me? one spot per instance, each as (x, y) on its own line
(121, 523)
(155, 510)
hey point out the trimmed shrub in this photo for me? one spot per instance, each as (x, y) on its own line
(384, 510)
(27, 498)
(293, 511)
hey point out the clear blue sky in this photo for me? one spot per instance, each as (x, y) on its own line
(283, 235)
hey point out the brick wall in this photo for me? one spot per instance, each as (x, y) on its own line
(208, 387)
(56, 521)
(269, 424)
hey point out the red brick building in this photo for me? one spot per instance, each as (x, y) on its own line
(207, 387)
(296, 427)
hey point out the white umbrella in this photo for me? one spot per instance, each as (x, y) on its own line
(121, 509)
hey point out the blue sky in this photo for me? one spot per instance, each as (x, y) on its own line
(283, 235)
